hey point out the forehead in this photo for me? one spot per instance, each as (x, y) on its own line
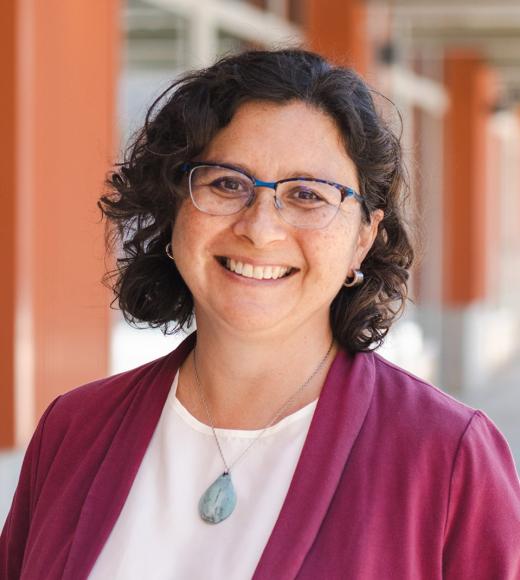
(274, 140)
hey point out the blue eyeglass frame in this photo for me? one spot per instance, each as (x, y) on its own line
(344, 189)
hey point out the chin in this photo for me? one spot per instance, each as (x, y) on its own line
(252, 319)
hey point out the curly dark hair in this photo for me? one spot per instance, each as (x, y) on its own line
(145, 190)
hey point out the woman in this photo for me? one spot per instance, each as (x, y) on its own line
(265, 197)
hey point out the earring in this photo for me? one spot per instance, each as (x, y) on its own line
(169, 251)
(356, 280)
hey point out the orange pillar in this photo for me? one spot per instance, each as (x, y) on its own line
(8, 171)
(470, 86)
(337, 30)
(64, 67)
(467, 201)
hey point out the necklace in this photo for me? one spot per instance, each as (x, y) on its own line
(219, 500)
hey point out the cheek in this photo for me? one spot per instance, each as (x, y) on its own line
(179, 224)
(186, 230)
(347, 238)
(184, 243)
(329, 256)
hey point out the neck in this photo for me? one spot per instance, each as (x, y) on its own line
(247, 379)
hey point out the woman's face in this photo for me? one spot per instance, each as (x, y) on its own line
(272, 142)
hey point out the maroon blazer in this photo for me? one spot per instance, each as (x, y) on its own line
(396, 480)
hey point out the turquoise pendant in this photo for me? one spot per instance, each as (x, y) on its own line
(219, 500)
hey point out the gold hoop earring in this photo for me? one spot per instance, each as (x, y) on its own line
(356, 280)
(169, 251)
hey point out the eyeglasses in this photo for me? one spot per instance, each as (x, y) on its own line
(220, 189)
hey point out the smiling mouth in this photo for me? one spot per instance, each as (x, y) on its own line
(256, 272)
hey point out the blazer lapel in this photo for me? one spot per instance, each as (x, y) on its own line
(119, 467)
(339, 416)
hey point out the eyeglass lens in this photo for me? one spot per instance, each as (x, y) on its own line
(303, 203)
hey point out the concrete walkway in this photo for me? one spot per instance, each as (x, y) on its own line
(500, 400)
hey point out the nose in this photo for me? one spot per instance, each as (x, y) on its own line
(260, 222)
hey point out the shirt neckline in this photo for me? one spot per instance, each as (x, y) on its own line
(305, 412)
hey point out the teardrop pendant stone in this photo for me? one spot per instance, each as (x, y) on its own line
(219, 500)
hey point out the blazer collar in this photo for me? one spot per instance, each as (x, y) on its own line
(117, 471)
(339, 416)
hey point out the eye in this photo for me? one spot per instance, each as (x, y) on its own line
(304, 193)
(230, 184)
(305, 196)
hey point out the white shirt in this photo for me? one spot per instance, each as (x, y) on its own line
(159, 533)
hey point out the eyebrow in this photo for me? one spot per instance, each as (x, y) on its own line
(251, 173)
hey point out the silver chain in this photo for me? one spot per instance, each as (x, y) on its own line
(273, 420)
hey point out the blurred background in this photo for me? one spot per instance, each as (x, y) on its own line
(78, 77)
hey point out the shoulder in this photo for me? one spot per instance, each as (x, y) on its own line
(119, 388)
(455, 458)
(415, 399)
(105, 393)
(97, 409)
(435, 433)
(88, 419)
(411, 417)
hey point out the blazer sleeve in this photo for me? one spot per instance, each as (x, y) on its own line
(482, 532)
(13, 539)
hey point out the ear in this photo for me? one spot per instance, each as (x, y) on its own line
(366, 237)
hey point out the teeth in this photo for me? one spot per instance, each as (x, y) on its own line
(234, 266)
(257, 272)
